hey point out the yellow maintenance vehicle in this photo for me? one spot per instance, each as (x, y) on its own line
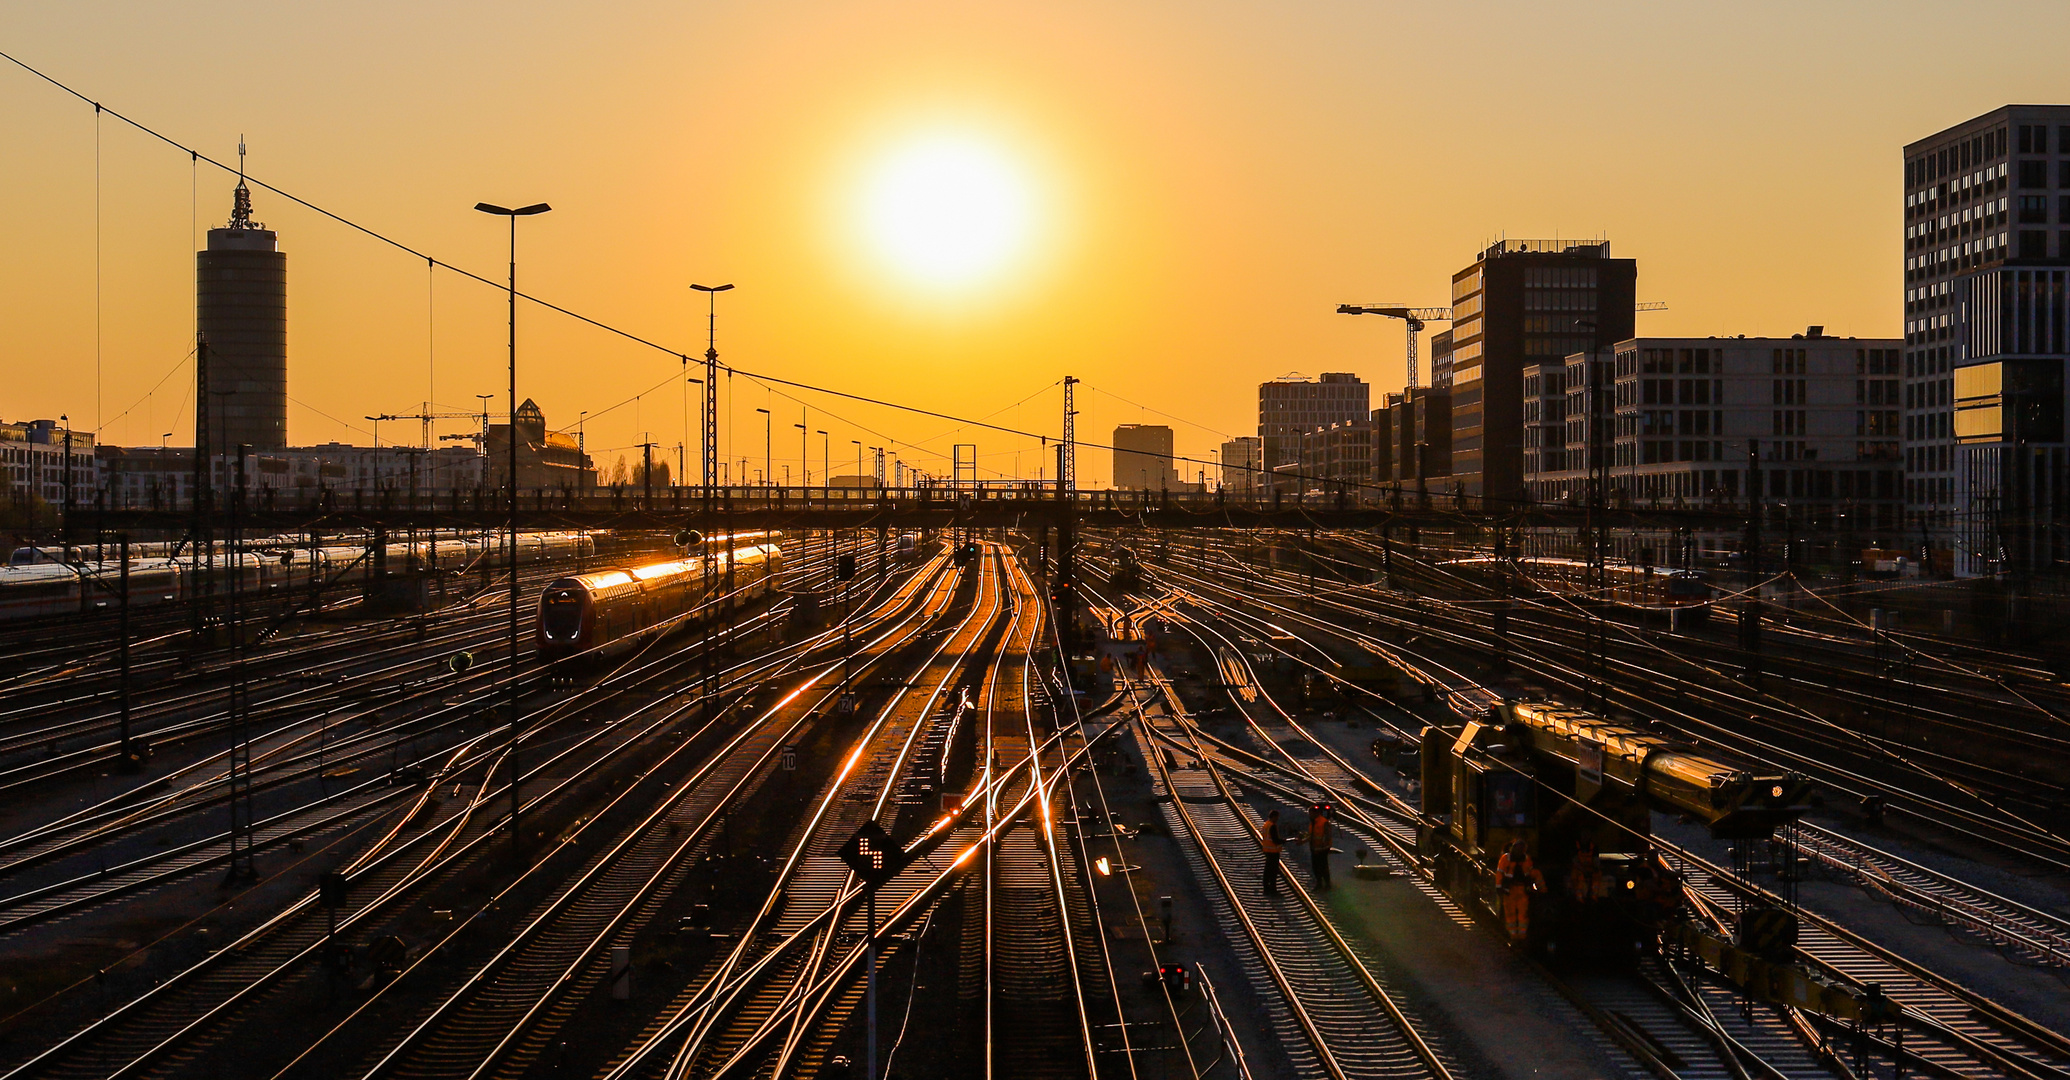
(1579, 791)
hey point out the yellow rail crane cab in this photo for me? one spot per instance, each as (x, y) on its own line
(1578, 791)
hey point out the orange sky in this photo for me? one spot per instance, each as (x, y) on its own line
(1210, 179)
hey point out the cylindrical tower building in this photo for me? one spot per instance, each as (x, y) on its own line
(241, 308)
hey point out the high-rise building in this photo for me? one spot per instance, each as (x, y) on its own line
(1987, 287)
(1293, 405)
(1143, 457)
(240, 292)
(1523, 303)
(1240, 464)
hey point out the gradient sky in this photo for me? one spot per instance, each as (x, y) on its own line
(1207, 181)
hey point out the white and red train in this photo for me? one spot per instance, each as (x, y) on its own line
(608, 611)
(42, 586)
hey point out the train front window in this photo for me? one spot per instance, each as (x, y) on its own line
(560, 613)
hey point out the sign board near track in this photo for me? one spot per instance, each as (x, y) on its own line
(1588, 768)
(873, 855)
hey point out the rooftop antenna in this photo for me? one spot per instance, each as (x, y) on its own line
(241, 207)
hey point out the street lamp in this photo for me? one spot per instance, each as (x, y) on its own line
(768, 452)
(710, 440)
(513, 215)
(804, 458)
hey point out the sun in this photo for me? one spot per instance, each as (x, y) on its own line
(948, 210)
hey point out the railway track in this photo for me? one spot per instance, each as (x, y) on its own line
(505, 1013)
(799, 929)
(1846, 765)
(1661, 1026)
(1964, 1033)
(427, 846)
(74, 887)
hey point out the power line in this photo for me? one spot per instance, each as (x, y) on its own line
(678, 354)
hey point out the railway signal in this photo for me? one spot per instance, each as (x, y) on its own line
(876, 858)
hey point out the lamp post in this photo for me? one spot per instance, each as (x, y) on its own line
(67, 419)
(710, 452)
(768, 448)
(804, 459)
(512, 461)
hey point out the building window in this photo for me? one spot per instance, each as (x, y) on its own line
(2033, 244)
(2034, 208)
(2033, 174)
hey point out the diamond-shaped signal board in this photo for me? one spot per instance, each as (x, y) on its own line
(873, 855)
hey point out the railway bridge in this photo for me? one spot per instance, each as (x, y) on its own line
(814, 508)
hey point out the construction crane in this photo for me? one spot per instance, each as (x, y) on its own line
(1651, 305)
(1416, 317)
(427, 417)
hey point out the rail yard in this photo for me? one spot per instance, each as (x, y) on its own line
(990, 800)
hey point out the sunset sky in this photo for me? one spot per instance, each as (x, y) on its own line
(1166, 200)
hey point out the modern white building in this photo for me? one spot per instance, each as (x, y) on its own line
(1240, 458)
(1807, 427)
(33, 462)
(154, 478)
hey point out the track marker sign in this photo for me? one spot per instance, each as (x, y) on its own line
(873, 855)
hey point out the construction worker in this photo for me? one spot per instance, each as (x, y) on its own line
(1519, 878)
(1268, 839)
(1319, 844)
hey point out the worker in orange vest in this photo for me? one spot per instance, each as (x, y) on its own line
(1268, 839)
(1519, 878)
(1319, 844)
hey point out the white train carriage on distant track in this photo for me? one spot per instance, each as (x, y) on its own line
(40, 586)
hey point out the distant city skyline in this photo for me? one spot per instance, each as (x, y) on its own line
(1193, 196)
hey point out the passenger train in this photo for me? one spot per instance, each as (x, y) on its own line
(1642, 589)
(42, 586)
(608, 611)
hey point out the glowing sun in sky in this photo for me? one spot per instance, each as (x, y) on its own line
(947, 209)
